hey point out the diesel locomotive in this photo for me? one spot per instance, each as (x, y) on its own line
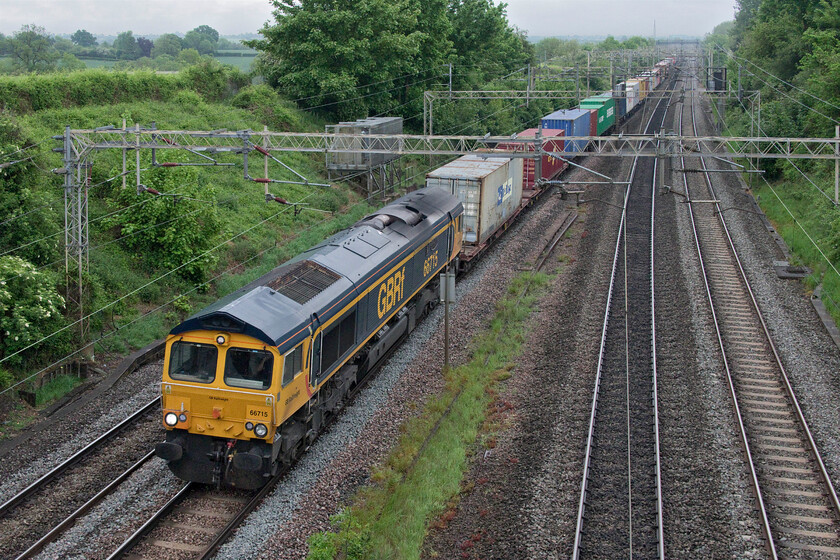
(249, 381)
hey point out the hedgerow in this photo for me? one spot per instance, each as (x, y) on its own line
(37, 92)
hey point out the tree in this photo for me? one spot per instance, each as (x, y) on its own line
(167, 43)
(189, 56)
(208, 32)
(484, 39)
(69, 63)
(125, 46)
(329, 50)
(199, 42)
(83, 38)
(31, 48)
(145, 46)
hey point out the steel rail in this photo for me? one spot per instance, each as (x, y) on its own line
(16, 500)
(829, 486)
(232, 524)
(765, 521)
(69, 520)
(153, 521)
(593, 413)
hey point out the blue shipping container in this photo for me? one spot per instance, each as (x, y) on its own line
(574, 121)
(621, 106)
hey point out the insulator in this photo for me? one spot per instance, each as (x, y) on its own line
(261, 180)
(261, 150)
(169, 164)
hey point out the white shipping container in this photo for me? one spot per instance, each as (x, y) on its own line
(489, 188)
(632, 92)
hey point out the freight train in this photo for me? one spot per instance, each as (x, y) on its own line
(249, 381)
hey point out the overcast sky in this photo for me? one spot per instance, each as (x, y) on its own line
(230, 17)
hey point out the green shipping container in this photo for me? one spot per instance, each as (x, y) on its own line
(606, 111)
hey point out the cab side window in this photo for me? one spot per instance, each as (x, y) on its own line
(293, 364)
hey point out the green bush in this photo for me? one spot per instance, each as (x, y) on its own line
(170, 230)
(30, 306)
(269, 107)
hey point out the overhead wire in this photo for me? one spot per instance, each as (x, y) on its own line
(731, 54)
(25, 148)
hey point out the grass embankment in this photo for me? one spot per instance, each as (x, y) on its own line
(250, 237)
(422, 475)
(237, 204)
(806, 218)
(798, 211)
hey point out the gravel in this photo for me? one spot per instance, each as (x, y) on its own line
(709, 509)
(66, 436)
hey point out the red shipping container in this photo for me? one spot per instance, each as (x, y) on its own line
(551, 165)
(593, 122)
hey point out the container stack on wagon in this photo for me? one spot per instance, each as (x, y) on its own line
(575, 122)
(551, 166)
(490, 188)
(495, 190)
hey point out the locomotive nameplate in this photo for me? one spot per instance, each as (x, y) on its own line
(260, 413)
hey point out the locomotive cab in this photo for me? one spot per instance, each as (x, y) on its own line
(235, 389)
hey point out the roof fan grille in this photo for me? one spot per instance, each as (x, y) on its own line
(304, 282)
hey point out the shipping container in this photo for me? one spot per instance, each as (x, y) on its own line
(634, 87)
(575, 122)
(551, 165)
(604, 112)
(631, 92)
(489, 188)
(593, 121)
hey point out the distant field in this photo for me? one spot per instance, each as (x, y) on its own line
(91, 63)
(241, 62)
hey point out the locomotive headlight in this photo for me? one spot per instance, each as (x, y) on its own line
(249, 426)
(221, 340)
(182, 417)
(260, 430)
(170, 418)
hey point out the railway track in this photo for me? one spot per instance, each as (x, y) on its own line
(797, 503)
(620, 507)
(28, 544)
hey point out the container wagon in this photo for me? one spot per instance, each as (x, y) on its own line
(575, 122)
(551, 165)
(490, 189)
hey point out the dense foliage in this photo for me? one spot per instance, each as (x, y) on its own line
(381, 54)
(173, 230)
(101, 87)
(789, 51)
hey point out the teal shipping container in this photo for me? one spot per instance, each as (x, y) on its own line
(606, 111)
